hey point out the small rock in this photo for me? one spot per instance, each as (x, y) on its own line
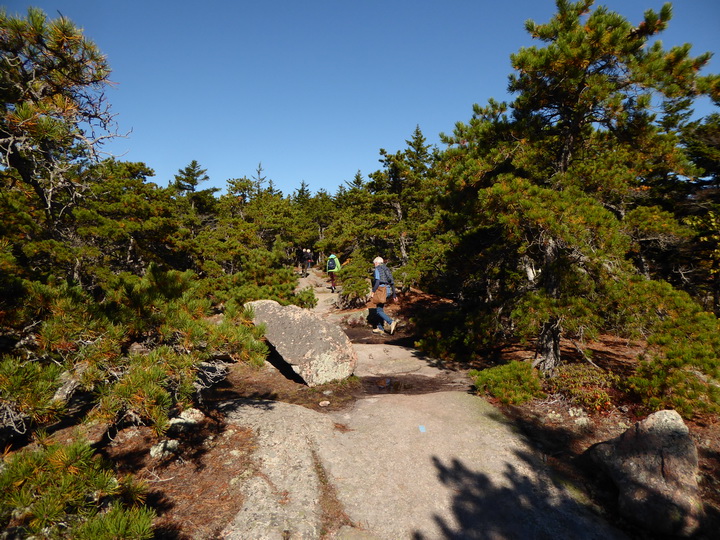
(187, 420)
(164, 449)
(138, 348)
(324, 403)
(583, 422)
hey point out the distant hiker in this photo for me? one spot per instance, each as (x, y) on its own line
(307, 260)
(332, 266)
(382, 280)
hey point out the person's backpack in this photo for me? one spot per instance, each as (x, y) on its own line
(332, 264)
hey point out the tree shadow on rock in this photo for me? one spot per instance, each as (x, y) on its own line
(517, 507)
(254, 402)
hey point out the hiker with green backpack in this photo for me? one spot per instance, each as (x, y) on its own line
(332, 267)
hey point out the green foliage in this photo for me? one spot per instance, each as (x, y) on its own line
(13, 294)
(60, 491)
(542, 212)
(51, 87)
(237, 336)
(118, 523)
(168, 309)
(453, 334)
(149, 386)
(702, 144)
(400, 199)
(584, 385)
(305, 298)
(125, 224)
(26, 393)
(556, 215)
(512, 383)
(348, 232)
(355, 278)
(682, 367)
(141, 303)
(187, 179)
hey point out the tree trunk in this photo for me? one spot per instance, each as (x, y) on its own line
(403, 237)
(547, 352)
(403, 249)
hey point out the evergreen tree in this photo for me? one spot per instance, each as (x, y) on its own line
(187, 179)
(53, 114)
(259, 180)
(350, 231)
(273, 216)
(701, 140)
(241, 192)
(302, 195)
(186, 183)
(321, 211)
(545, 207)
(699, 267)
(125, 224)
(398, 191)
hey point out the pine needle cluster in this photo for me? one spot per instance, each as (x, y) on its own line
(66, 491)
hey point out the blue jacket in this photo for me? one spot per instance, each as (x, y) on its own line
(383, 276)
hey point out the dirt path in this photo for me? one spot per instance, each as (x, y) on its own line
(393, 466)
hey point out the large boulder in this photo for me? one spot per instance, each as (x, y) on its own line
(318, 351)
(654, 464)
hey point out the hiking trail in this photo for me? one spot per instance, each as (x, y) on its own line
(423, 458)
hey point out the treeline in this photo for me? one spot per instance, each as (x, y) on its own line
(587, 205)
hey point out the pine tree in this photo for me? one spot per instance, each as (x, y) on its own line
(701, 140)
(699, 204)
(321, 210)
(187, 179)
(259, 180)
(546, 206)
(302, 195)
(350, 230)
(53, 114)
(125, 223)
(398, 194)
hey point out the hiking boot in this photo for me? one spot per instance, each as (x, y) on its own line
(392, 327)
(378, 331)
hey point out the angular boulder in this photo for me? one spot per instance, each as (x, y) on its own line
(316, 350)
(654, 464)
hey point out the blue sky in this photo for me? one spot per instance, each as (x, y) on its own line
(312, 90)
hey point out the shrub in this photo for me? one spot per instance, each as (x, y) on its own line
(26, 394)
(305, 298)
(583, 385)
(682, 369)
(512, 383)
(59, 491)
(448, 333)
(148, 387)
(355, 279)
(89, 339)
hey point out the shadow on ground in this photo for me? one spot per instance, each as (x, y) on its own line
(485, 511)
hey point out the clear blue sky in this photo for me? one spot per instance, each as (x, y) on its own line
(313, 89)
